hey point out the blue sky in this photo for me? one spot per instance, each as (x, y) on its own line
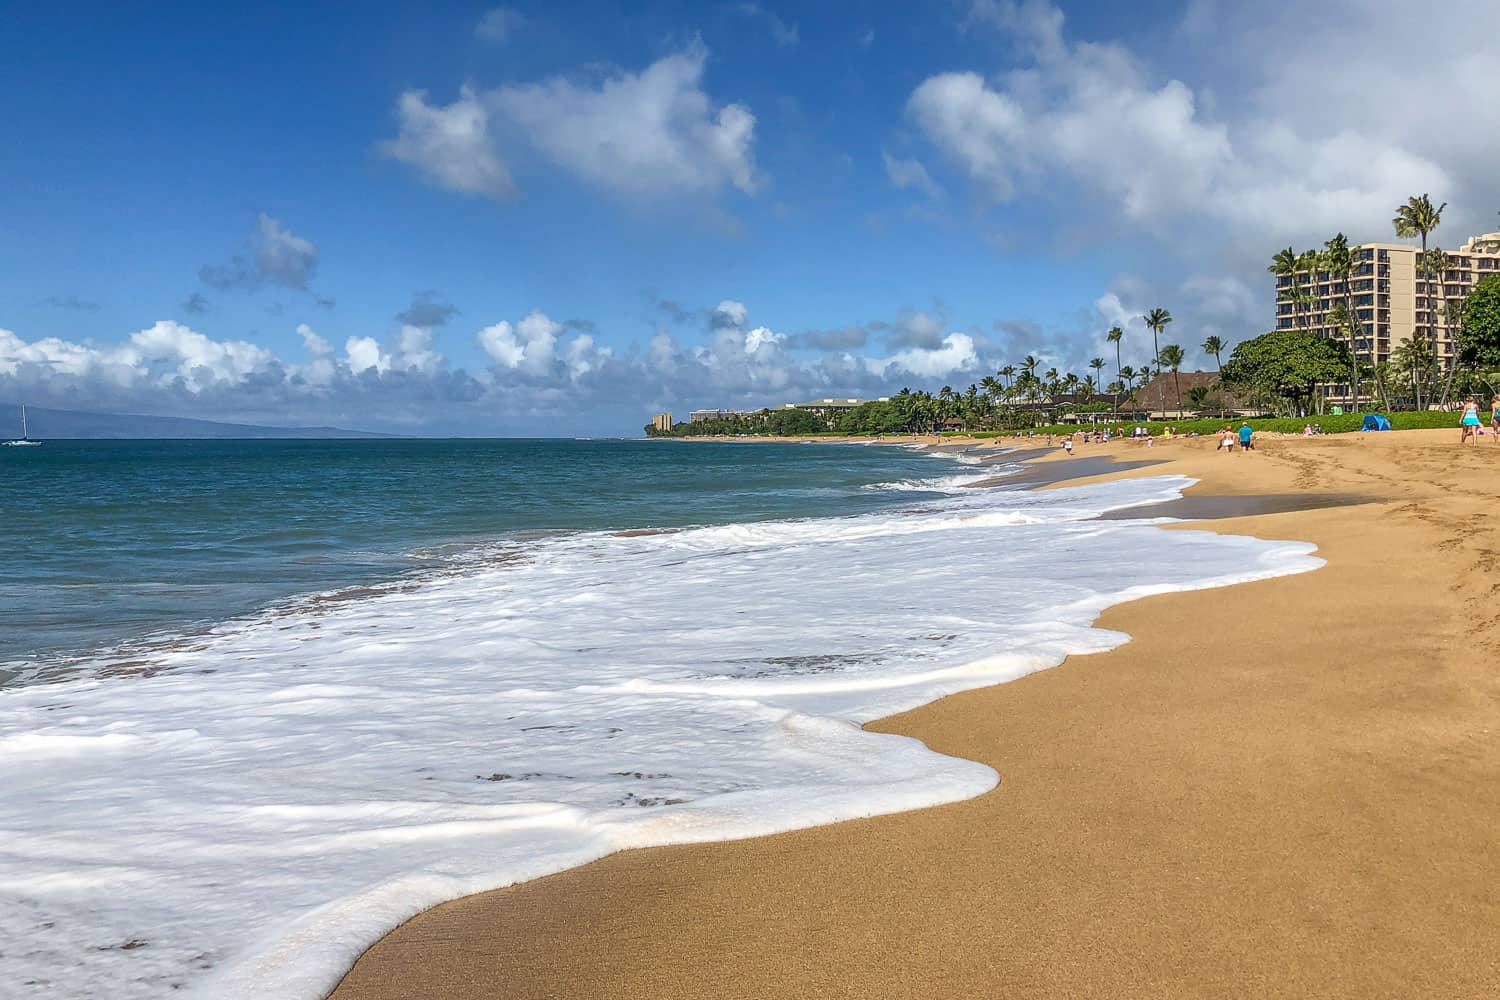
(563, 217)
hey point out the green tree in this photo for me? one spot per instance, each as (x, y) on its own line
(1114, 336)
(1171, 356)
(1481, 325)
(1288, 363)
(1310, 262)
(1157, 320)
(1418, 217)
(1284, 265)
(1339, 261)
(1098, 365)
(1215, 346)
(1415, 366)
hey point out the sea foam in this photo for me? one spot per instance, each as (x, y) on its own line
(271, 799)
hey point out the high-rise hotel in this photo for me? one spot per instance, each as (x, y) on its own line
(1393, 298)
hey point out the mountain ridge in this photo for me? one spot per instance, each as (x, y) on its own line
(45, 423)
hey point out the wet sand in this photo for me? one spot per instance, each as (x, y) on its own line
(1289, 788)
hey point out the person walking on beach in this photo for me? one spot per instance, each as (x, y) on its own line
(1470, 422)
(1247, 438)
(1495, 417)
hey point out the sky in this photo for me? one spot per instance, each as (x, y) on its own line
(562, 218)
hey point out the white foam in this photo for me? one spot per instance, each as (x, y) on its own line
(251, 817)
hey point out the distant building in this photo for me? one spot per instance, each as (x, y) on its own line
(1158, 397)
(829, 405)
(698, 416)
(1393, 298)
(662, 422)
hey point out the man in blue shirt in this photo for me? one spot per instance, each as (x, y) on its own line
(1245, 435)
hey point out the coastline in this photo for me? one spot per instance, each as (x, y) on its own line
(1288, 787)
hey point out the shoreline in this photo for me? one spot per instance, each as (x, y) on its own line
(687, 920)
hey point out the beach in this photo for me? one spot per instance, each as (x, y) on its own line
(1289, 787)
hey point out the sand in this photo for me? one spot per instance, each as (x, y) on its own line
(1284, 789)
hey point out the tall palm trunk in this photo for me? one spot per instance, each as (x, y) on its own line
(1223, 403)
(1118, 366)
(1356, 328)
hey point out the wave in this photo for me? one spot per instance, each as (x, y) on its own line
(241, 819)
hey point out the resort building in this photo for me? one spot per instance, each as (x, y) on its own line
(662, 422)
(1157, 399)
(1394, 298)
(826, 406)
(698, 416)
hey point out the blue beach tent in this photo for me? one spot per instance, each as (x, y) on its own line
(1375, 422)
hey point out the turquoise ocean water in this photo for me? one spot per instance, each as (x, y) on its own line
(113, 543)
(268, 699)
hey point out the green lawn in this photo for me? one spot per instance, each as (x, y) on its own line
(1291, 425)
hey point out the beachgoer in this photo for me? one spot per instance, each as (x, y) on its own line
(1307, 430)
(1068, 445)
(1470, 422)
(1495, 417)
(1247, 438)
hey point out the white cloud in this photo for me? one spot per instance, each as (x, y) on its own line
(913, 328)
(541, 375)
(316, 345)
(278, 256)
(450, 146)
(763, 338)
(1089, 115)
(909, 174)
(647, 135)
(199, 360)
(499, 25)
(534, 347)
(729, 313)
(956, 354)
(415, 350)
(1221, 296)
(364, 354)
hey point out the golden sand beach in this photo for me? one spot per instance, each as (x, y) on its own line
(1288, 788)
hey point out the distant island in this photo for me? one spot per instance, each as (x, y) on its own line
(59, 425)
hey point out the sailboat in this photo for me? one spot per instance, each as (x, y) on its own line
(25, 440)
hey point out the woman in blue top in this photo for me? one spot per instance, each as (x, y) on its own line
(1470, 422)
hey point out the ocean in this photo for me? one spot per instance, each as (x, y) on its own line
(261, 701)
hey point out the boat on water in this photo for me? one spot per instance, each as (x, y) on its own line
(24, 441)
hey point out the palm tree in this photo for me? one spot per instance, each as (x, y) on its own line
(1215, 346)
(1127, 376)
(993, 390)
(1340, 264)
(1418, 218)
(1284, 265)
(1310, 261)
(1087, 388)
(1009, 374)
(1114, 336)
(1171, 356)
(1157, 320)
